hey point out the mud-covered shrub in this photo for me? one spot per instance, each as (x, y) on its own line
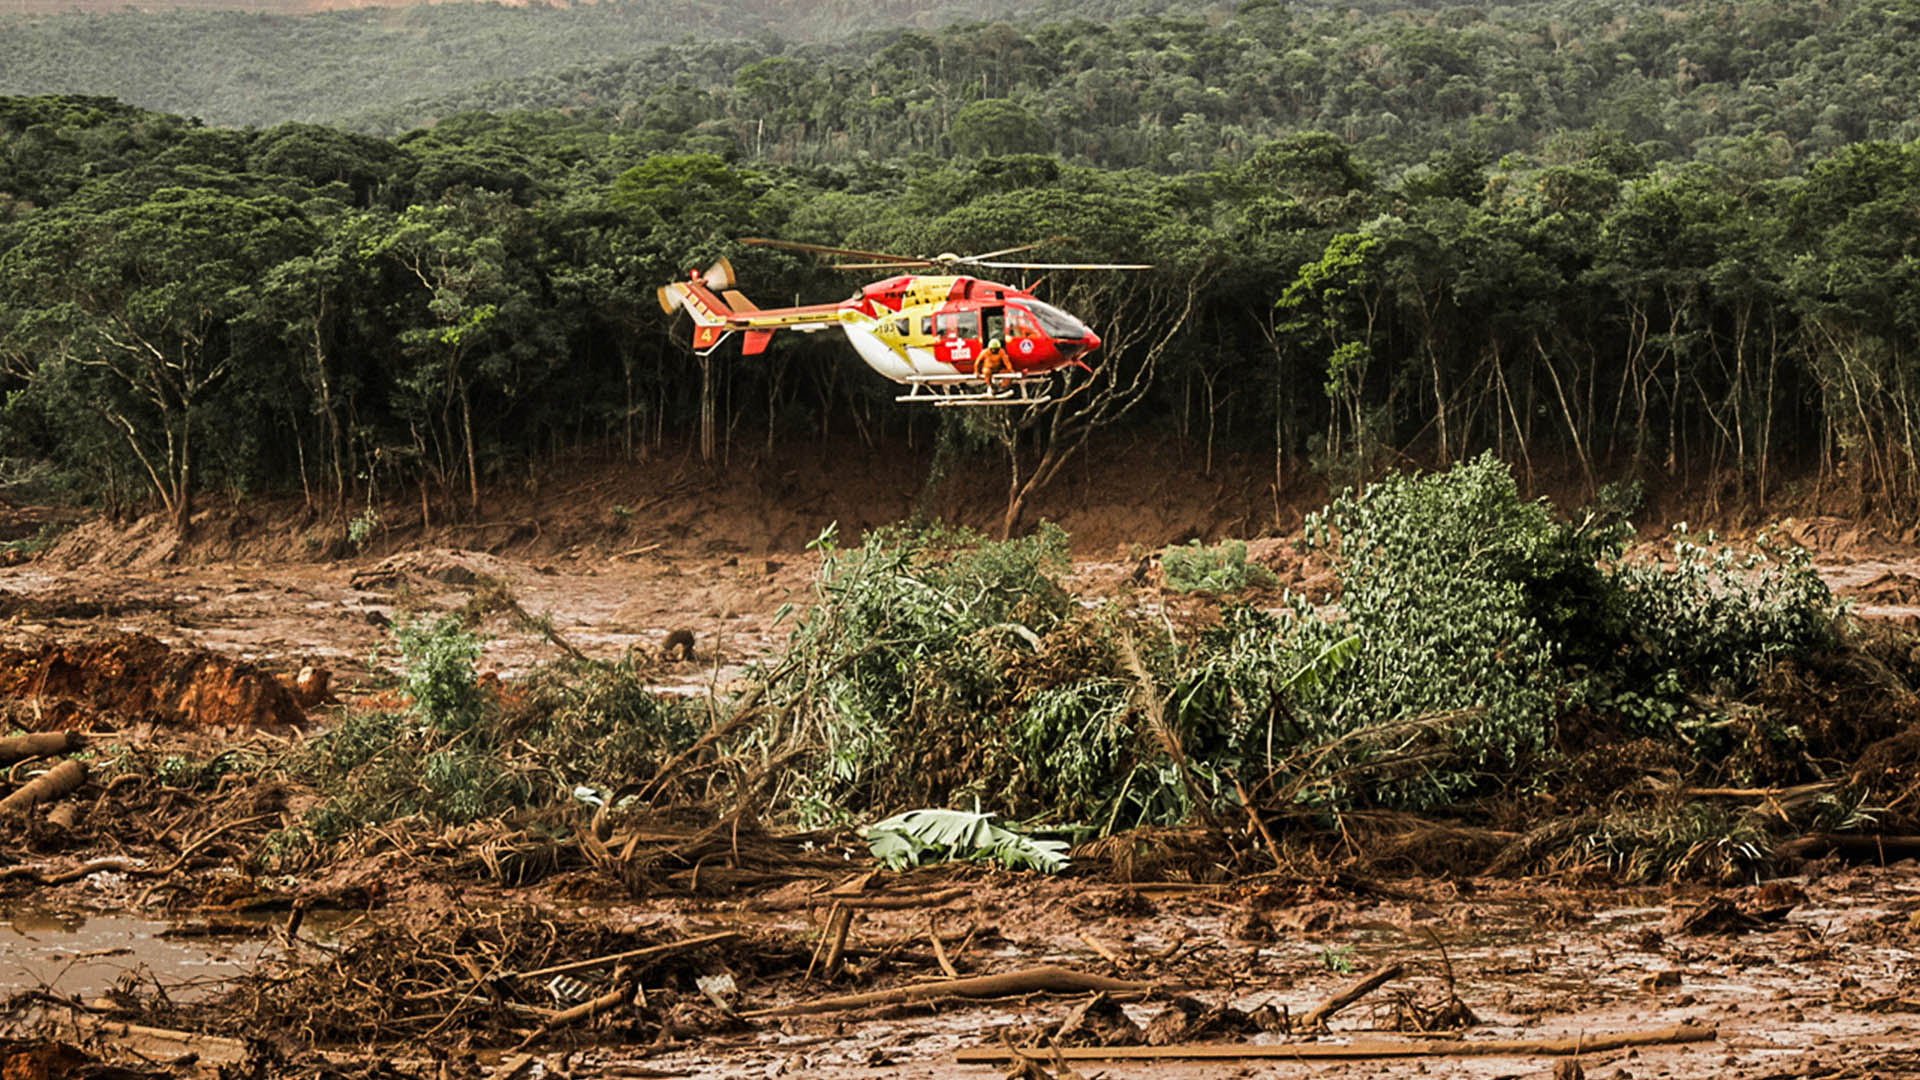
(1481, 622)
(1473, 631)
(438, 657)
(1690, 840)
(1222, 568)
(376, 766)
(920, 675)
(462, 751)
(1443, 579)
(1718, 617)
(598, 724)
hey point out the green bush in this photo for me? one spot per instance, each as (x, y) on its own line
(906, 677)
(461, 753)
(1222, 568)
(1481, 623)
(438, 657)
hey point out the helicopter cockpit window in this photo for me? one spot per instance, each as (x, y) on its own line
(926, 326)
(996, 323)
(1056, 323)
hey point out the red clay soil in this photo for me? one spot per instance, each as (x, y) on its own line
(132, 678)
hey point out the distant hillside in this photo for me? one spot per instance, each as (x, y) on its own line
(270, 7)
(270, 65)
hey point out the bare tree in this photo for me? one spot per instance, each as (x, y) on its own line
(1137, 322)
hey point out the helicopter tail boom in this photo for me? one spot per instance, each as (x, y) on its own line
(719, 310)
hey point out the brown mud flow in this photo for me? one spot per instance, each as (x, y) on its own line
(88, 956)
(650, 930)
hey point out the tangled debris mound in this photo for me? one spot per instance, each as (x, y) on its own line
(133, 678)
(1890, 588)
(487, 974)
(448, 566)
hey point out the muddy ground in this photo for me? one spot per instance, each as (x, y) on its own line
(413, 953)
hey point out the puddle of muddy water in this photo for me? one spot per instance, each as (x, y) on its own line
(85, 955)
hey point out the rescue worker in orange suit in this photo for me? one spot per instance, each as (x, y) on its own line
(992, 362)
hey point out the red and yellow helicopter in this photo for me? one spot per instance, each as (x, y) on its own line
(924, 331)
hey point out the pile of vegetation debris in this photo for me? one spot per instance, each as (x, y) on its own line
(1486, 687)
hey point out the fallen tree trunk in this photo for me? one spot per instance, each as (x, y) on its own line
(48, 786)
(1583, 1044)
(162, 1043)
(40, 744)
(1867, 847)
(1049, 979)
(1317, 1019)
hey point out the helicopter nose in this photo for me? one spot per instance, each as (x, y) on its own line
(1072, 349)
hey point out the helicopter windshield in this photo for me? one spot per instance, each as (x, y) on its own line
(1055, 323)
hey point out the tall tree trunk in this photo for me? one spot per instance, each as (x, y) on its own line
(707, 407)
(183, 488)
(473, 471)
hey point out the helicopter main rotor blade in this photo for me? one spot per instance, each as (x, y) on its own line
(913, 265)
(1065, 266)
(1005, 251)
(822, 249)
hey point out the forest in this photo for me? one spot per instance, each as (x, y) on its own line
(1659, 243)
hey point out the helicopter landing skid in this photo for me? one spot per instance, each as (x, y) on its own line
(948, 391)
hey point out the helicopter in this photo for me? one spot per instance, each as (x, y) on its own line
(924, 331)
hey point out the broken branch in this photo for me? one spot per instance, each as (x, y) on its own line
(1584, 1044)
(1048, 979)
(1352, 992)
(632, 954)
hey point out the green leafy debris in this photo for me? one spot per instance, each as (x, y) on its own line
(1222, 568)
(923, 836)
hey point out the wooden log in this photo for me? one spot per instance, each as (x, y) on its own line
(48, 786)
(39, 744)
(162, 1043)
(889, 902)
(838, 927)
(1583, 1044)
(631, 955)
(1316, 1020)
(1048, 979)
(1856, 847)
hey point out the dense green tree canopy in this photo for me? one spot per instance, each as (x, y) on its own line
(1638, 241)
